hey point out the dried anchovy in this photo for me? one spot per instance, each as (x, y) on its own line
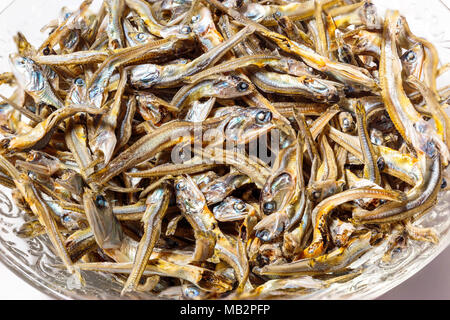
(247, 149)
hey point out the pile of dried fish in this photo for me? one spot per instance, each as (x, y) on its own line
(224, 149)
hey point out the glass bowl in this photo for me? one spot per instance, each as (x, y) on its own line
(33, 260)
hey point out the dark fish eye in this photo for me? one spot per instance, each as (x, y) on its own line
(186, 30)
(180, 186)
(79, 82)
(242, 86)
(444, 184)
(263, 117)
(46, 51)
(269, 207)
(381, 163)
(140, 36)
(100, 201)
(334, 98)
(410, 56)
(263, 235)
(182, 155)
(316, 195)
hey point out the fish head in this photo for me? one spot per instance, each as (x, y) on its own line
(232, 209)
(231, 87)
(28, 74)
(140, 37)
(347, 122)
(322, 90)
(71, 181)
(248, 123)
(180, 32)
(77, 92)
(145, 75)
(256, 11)
(204, 28)
(319, 191)
(107, 230)
(425, 139)
(204, 179)
(189, 197)
(277, 192)
(282, 185)
(202, 22)
(64, 14)
(96, 201)
(369, 16)
(412, 61)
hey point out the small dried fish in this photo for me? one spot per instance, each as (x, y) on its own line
(247, 149)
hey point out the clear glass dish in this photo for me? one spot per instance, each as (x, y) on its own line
(34, 261)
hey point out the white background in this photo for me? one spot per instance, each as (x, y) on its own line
(433, 282)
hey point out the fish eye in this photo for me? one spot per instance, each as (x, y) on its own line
(186, 30)
(430, 149)
(100, 201)
(277, 14)
(263, 117)
(346, 123)
(263, 235)
(46, 51)
(243, 86)
(316, 195)
(410, 56)
(182, 155)
(444, 184)
(141, 36)
(195, 18)
(191, 292)
(381, 163)
(21, 61)
(239, 206)
(269, 207)
(334, 98)
(79, 82)
(180, 186)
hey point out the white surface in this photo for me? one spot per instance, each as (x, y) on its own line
(433, 282)
(13, 288)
